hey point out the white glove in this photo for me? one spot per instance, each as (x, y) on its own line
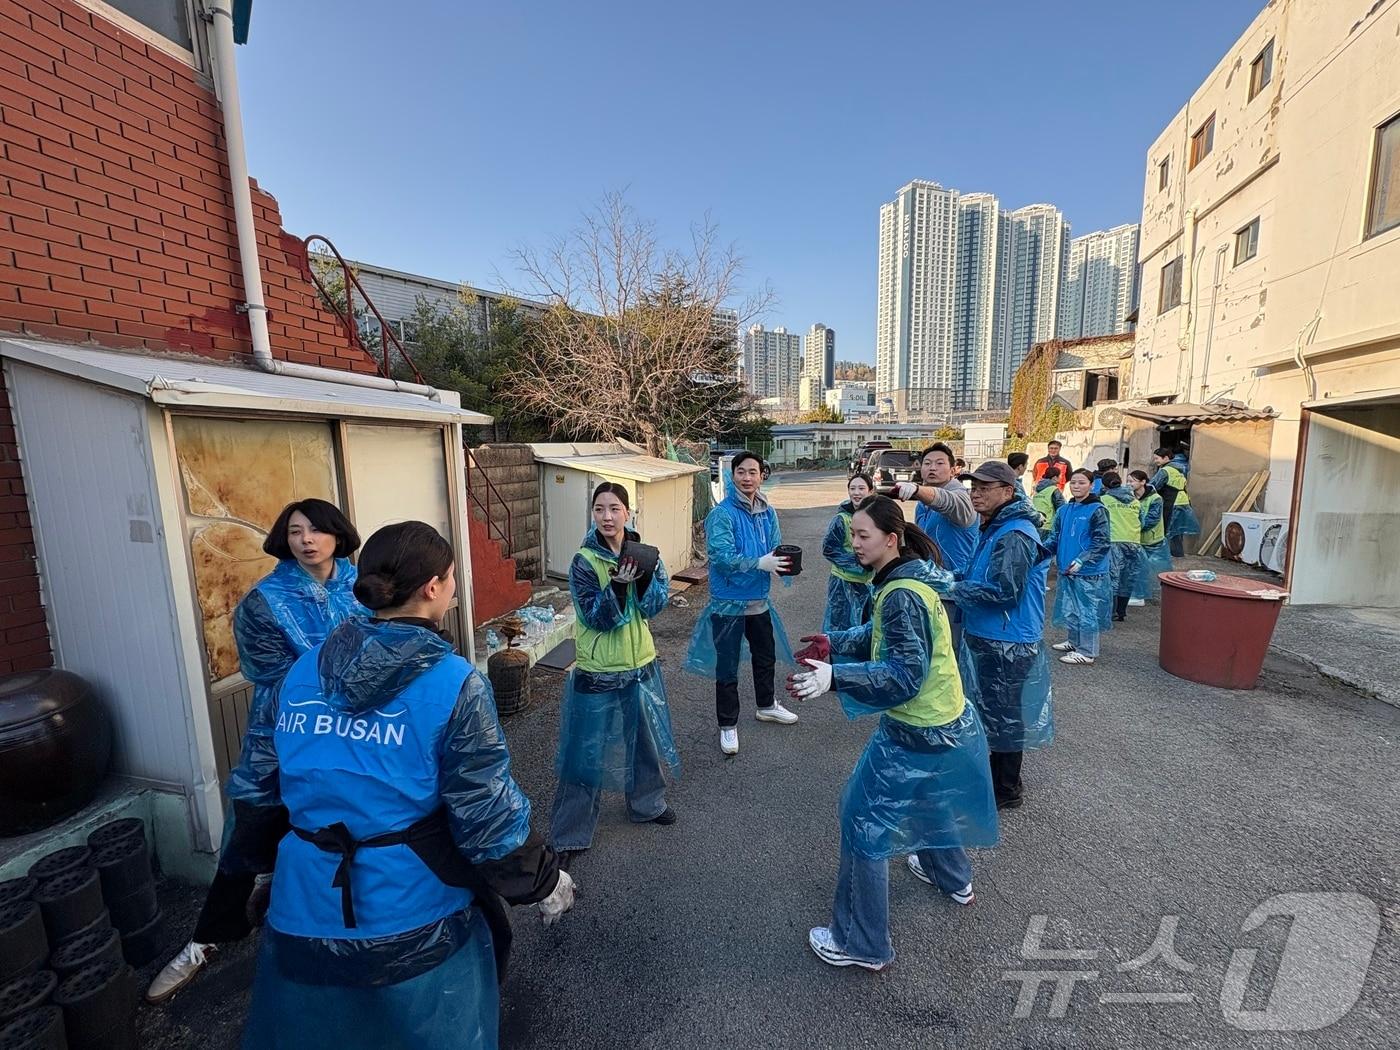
(906, 490)
(627, 572)
(770, 562)
(1072, 569)
(814, 682)
(558, 902)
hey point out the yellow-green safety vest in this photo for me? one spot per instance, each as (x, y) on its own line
(1177, 480)
(624, 648)
(940, 699)
(1124, 520)
(850, 575)
(1158, 532)
(1044, 502)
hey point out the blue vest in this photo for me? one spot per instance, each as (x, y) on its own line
(955, 542)
(1075, 537)
(754, 536)
(375, 771)
(1024, 621)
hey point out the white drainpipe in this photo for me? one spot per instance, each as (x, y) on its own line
(226, 79)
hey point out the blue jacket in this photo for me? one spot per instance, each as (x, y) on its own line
(1003, 595)
(955, 542)
(836, 546)
(604, 609)
(1081, 534)
(285, 615)
(377, 728)
(737, 534)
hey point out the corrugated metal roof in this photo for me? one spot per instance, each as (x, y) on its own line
(193, 381)
(624, 465)
(1218, 413)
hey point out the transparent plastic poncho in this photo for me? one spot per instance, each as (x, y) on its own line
(1009, 684)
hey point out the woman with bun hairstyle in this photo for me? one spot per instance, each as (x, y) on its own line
(848, 587)
(287, 612)
(387, 926)
(1156, 555)
(614, 723)
(923, 787)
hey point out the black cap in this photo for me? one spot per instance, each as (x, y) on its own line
(996, 472)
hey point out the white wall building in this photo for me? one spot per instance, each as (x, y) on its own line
(851, 401)
(772, 363)
(1100, 286)
(1271, 271)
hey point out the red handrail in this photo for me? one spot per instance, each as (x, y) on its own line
(489, 489)
(347, 318)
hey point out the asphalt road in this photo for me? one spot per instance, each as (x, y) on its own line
(1162, 806)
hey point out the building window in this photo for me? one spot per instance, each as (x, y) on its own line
(1384, 212)
(169, 18)
(1202, 141)
(1164, 173)
(1261, 70)
(1247, 243)
(1169, 294)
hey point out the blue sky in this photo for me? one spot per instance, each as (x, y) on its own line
(436, 137)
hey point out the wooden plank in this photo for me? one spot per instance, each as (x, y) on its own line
(694, 574)
(1247, 497)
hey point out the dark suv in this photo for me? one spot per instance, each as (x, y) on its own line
(863, 454)
(890, 465)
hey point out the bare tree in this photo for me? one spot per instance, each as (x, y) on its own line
(629, 344)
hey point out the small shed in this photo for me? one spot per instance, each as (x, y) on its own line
(661, 492)
(152, 481)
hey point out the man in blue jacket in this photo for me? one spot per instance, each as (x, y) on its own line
(741, 537)
(1005, 670)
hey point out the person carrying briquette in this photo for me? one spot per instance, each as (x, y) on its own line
(288, 612)
(1125, 540)
(614, 721)
(945, 514)
(741, 541)
(1005, 670)
(1047, 498)
(1080, 541)
(388, 924)
(848, 587)
(922, 788)
(1172, 473)
(1156, 556)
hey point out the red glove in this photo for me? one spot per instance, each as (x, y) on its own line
(820, 649)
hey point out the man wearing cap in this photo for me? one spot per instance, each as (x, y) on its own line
(1004, 668)
(945, 513)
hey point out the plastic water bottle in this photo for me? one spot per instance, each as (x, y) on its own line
(493, 641)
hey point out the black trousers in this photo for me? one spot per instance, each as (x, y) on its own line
(729, 633)
(1120, 606)
(1006, 775)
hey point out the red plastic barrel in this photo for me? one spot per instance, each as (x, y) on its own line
(1217, 633)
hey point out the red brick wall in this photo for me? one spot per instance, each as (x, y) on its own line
(117, 228)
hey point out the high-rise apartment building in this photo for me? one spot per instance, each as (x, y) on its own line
(966, 288)
(819, 354)
(915, 314)
(1101, 283)
(772, 363)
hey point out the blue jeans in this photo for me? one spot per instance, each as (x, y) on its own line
(574, 815)
(1085, 641)
(860, 917)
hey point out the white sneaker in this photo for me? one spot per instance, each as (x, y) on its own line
(1136, 603)
(963, 896)
(1063, 647)
(1076, 658)
(819, 937)
(777, 713)
(179, 971)
(729, 740)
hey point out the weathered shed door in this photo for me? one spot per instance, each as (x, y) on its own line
(567, 515)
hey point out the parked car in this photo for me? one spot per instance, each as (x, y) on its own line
(888, 466)
(716, 457)
(863, 454)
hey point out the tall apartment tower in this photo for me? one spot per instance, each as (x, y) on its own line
(981, 318)
(820, 354)
(1101, 283)
(915, 315)
(772, 362)
(1039, 257)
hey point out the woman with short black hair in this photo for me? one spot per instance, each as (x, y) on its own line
(288, 611)
(387, 926)
(614, 722)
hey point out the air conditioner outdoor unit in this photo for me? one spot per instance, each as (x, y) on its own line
(1247, 537)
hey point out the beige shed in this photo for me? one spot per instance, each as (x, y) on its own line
(661, 492)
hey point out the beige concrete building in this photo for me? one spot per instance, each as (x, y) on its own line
(1271, 275)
